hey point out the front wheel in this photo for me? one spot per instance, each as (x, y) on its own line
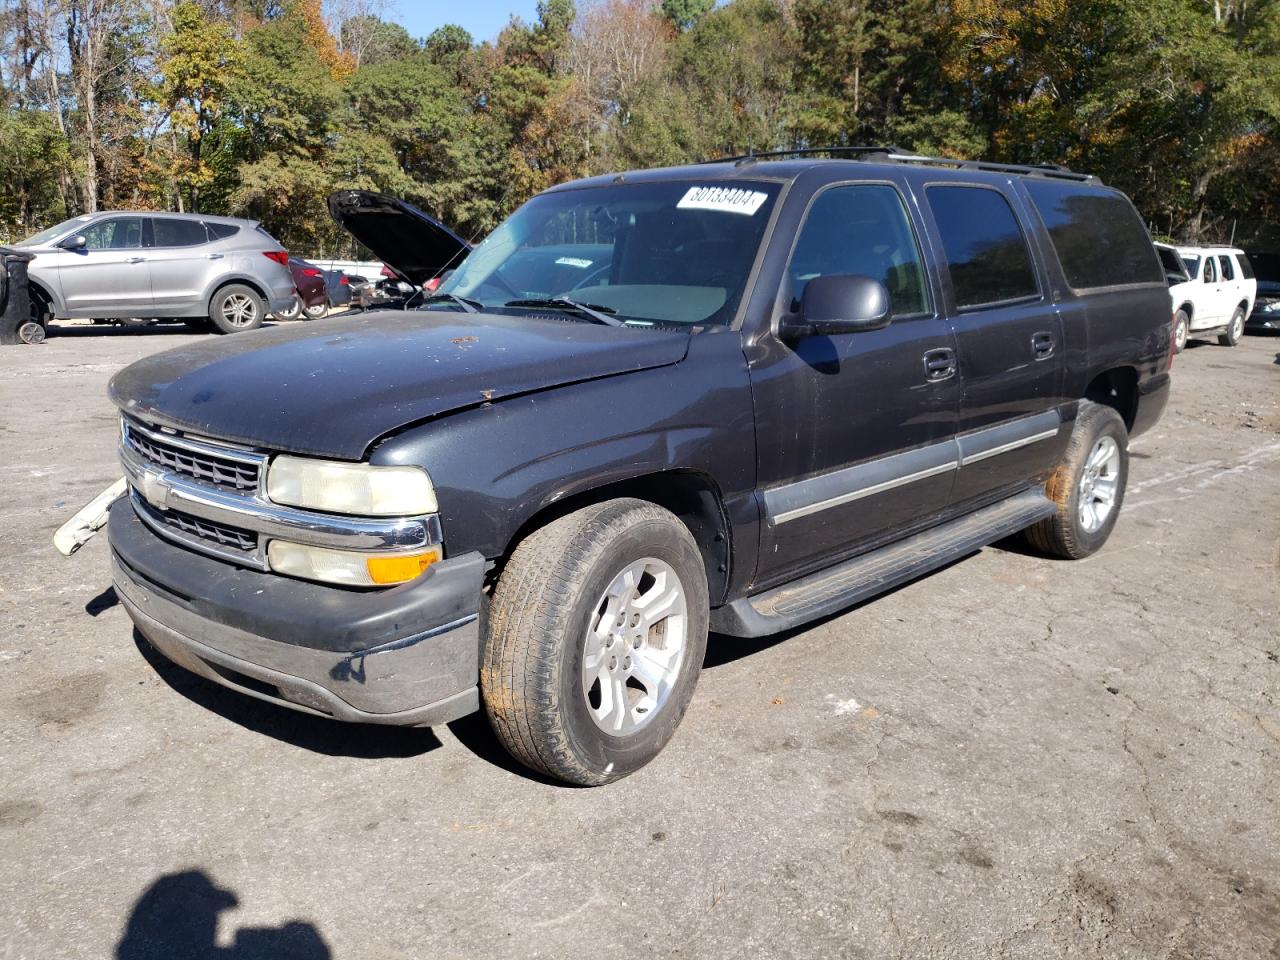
(236, 308)
(1087, 486)
(596, 635)
(1181, 327)
(1235, 329)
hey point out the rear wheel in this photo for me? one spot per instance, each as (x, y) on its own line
(1235, 329)
(596, 635)
(1181, 327)
(32, 331)
(318, 312)
(236, 308)
(1087, 486)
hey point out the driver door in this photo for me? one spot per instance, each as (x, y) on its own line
(108, 276)
(854, 432)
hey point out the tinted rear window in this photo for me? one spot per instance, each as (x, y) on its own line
(1100, 239)
(1246, 268)
(986, 252)
(220, 231)
(177, 233)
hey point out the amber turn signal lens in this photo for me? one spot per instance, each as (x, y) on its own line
(388, 570)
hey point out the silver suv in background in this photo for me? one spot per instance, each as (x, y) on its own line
(127, 264)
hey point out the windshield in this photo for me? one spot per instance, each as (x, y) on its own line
(1192, 264)
(675, 252)
(44, 236)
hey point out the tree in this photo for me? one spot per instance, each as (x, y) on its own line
(685, 14)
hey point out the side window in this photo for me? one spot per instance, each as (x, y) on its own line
(986, 251)
(119, 233)
(220, 231)
(861, 229)
(1210, 271)
(1246, 268)
(1099, 237)
(170, 232)
(1228, 272)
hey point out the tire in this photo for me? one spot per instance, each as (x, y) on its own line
(1073, 533)
(318, 312)
(236, 308)
(1235, 329)
(1181, 329)
(551, 712)
(292, 311)
(32, 331)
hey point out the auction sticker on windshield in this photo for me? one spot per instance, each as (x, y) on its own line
(724, 199)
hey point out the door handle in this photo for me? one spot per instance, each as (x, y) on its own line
(939, 364)
(215, 256)
(135, 259)
(1042, 345)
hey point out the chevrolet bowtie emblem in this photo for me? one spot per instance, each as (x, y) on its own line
(154, 489)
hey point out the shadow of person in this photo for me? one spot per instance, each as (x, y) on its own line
(177, 917)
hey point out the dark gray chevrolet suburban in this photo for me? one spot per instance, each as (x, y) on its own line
(734, 397)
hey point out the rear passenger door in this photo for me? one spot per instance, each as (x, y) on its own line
(1009, 341)
(179, 264)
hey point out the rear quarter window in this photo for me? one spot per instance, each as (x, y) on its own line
(1098, 235)
(1246, 268)
(220, 231)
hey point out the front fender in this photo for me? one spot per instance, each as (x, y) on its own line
(498, 465)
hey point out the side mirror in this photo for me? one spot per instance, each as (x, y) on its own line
(840, 303)
(77, 241)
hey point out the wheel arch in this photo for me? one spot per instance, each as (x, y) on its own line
(37, 290)
(225, 282)
(1189, 308)
(1116, 388)
(693, 496)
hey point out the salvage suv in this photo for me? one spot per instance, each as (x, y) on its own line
(734, 397)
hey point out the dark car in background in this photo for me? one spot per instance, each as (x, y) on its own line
(1266, 308)
(310, 299)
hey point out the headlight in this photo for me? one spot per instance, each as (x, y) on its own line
(347, 567)
(359, 489)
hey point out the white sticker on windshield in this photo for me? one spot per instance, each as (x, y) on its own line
(574, 262)
(724, 199)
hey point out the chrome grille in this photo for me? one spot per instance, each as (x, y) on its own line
(198, 460)
(219, 533)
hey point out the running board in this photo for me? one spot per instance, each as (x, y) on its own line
(828, 591)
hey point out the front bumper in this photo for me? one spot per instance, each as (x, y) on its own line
(407, 656)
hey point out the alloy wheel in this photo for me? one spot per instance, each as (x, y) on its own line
(635, 646)
(239, 310)
(1099, 484)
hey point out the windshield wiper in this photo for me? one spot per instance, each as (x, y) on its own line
(470, 306)
(592, 311)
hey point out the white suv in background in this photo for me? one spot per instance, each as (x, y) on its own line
(1216, 297)
(129, 264)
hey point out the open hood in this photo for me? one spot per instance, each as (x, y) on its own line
(400, 235)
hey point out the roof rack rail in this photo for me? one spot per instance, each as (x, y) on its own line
(893, 154)
(857, 152)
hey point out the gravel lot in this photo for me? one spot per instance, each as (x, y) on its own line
(1014, 757)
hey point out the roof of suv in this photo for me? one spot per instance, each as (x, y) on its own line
(167, 215)
(867, 162)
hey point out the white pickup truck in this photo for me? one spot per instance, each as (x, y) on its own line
(1211, 290)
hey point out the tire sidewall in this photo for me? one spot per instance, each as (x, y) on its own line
(1107, 423)
(1235, 330)
(1182, 331)
(219, 298)
(593, 747)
